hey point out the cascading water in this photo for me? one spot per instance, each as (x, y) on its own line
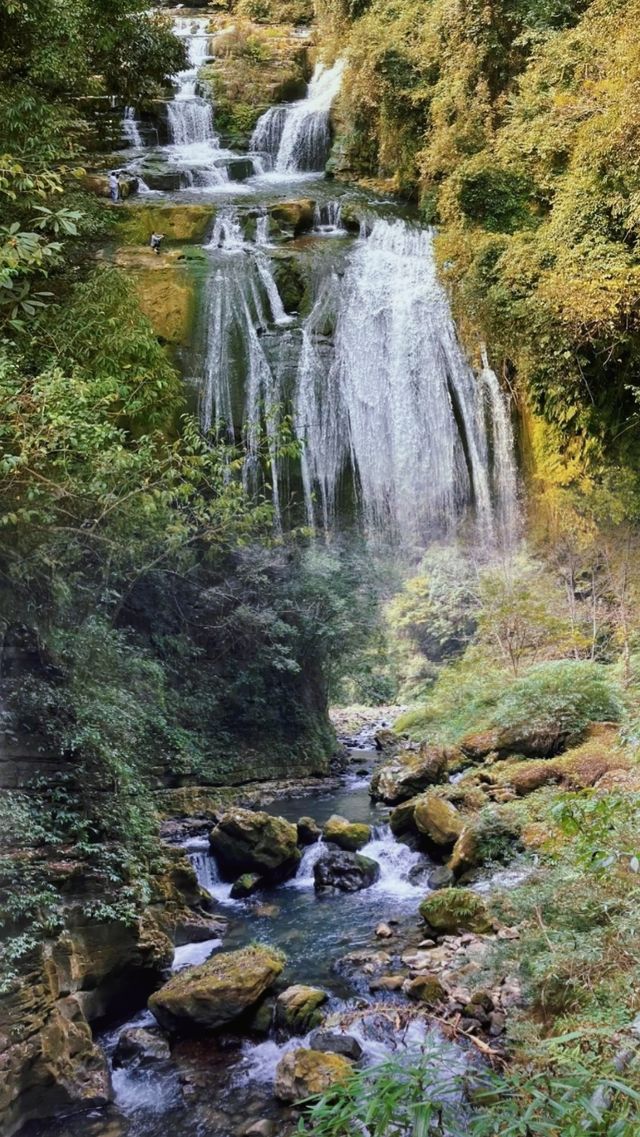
(298, 136)
(130, 129)
(400, 402)
(383, 394)
(242, 302)
(194, 146)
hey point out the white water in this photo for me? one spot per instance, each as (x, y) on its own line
(130, 129)
(206, 871)
(298, 136)
(195, 147)
(389, 401)
(190, 955)
(327, 219)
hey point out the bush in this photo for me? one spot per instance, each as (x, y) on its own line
(565, 695)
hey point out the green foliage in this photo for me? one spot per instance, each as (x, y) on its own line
(573, 1096)
(563, 694)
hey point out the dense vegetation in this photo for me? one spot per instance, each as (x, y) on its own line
(154, 630)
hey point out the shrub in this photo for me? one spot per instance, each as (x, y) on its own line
(564, 695)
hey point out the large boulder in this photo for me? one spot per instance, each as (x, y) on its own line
(453, 910)
(347, 872)
(297, 1008)
(438, 820)
(302, 1073)
(218, 991)
(401, 818)
(409, 773)
(245, 841)
(349, 835)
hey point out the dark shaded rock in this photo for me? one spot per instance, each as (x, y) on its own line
(330, 1042)
(347, 872)
(198, 929)
(442, 877)
(139, 1044)
(308, 831)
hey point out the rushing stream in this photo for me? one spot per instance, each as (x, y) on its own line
(394, 428)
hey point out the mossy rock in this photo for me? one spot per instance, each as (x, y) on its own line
(295, 216)
(348, 835)
(218, 991)
(290, 280)
(425, 989)
(250, 841)
(454, 910)
(302, 1073)
(297, 1008)
(245, 886)
(438, 820)
(408, 773)
(188, 222)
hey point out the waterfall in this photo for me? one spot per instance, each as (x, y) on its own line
(242, 301)
(503, 467)
(400, 403)
(381, 395)
(194, 145)
(130, 128)
(327, 219)
(298, 136)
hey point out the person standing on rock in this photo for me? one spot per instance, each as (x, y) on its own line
(156, 241)
(114, 188)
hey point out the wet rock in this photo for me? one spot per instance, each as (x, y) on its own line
(442, 877)
(388, 983)
(409, 773)
(401, 818)
(297, 1008)
(386, 739)
(384, 932)
(246, 885)
(248, 841)
(197, 929)
(217, 991)
(367, 962)
(347, 872)
(296, 216)
(137, 1043)
(309, 832)
(345, 834)
(301, 1073)
(262, 1128)
(438, 820)
(456, 909)
(425, 989)
(331, 1042)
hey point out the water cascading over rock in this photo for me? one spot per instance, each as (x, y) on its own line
(194, 144)
(297, 136)
(380, 392)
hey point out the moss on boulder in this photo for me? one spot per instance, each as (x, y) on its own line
(248, 841)
(186, 223)
(453, 910)
(218, 991)
(438, 820)
(301, 1073)
(166, 291)
(348, 835)
(297, 1008)
(409, 772)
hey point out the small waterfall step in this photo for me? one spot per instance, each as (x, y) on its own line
(297, 136)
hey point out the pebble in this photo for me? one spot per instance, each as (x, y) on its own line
(384, 932)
